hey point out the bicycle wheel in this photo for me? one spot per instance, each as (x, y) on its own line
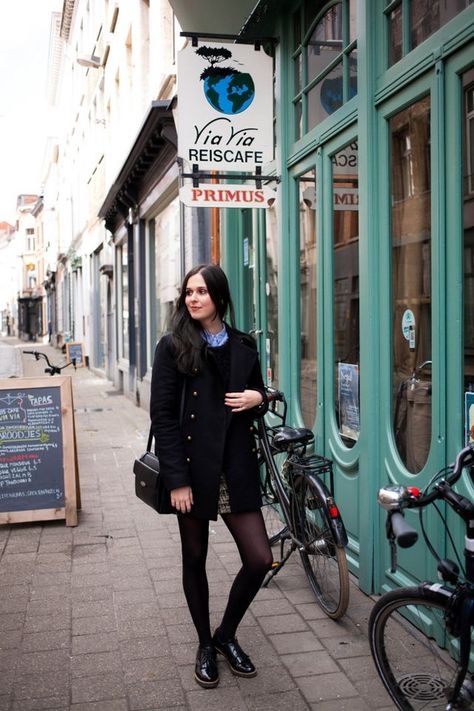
(271, 509)
(407, 633)
(324, 561)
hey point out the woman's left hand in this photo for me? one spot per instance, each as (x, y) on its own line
(245, 400)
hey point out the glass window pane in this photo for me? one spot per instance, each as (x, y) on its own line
(352, 74)
(346, 290)
(325, 42)
(298, 73)
(411, 282)
(395, 35)
(325, 97)
(271, 287)
(468, 219)
(167, 264)
(352, 20)
(298, 119)
(124, 335)
(308, 261)
(427, 16)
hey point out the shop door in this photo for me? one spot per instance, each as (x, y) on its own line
(425, 130)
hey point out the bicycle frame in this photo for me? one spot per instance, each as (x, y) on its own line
(309, 467)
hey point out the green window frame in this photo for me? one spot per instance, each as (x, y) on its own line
(311, 36)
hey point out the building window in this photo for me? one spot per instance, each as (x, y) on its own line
(345, 179)
(324, 61)
(123, 295)
(411, 22)
(411, 282)
(30, 239)
(166, 279)
(271, 288)
(308, 296)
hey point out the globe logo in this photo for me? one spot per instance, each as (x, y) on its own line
(227, 90)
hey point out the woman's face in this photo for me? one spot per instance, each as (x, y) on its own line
(198, 302)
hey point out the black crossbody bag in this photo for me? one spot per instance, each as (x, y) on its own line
(149, 486)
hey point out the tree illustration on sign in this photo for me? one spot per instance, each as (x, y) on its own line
(227, 89)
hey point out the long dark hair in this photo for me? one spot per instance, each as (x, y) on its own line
(186, 331)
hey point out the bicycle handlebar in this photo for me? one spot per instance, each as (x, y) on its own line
(51, 369)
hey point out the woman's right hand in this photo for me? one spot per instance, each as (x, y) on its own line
(182, 499)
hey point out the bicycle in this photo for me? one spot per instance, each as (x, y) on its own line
(299, 508)
(421, 636)
(51, 369)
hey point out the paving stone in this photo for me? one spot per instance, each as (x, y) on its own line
(297, 642)
(227, 698)
(150, 669)
(281, 701)
(50, 685)
(95, 663)
(94, 625)
(41, 641)
(39, 662)
(143, 627)
(61, 620)
(326, 687)
(155, 695)
(103, 642)
(10, 639)
(113, 705)
(145, 647)
(283, 623)
(97, 688)
(307, 663)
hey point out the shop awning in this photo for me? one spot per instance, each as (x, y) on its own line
(209, 16)
(152, 152)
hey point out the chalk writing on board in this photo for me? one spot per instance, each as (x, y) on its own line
(31, 450)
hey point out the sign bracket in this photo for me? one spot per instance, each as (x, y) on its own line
(198, 175)
(257, 42)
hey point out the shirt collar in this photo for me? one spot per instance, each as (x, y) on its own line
(215, 339)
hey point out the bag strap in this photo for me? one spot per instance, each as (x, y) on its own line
(181, 416)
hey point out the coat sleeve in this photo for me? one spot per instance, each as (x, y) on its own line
(255, 382)
(165, 401)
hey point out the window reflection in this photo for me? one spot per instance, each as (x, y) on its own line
(124, 334)
(308, 295)
(271, 346)
(411, 282)
(346, 291)
(167, 264)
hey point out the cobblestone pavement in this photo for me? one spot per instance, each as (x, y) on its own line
(92, 618)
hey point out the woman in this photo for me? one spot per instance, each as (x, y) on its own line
(206, 390)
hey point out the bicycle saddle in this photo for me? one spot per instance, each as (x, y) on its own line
(286, 435)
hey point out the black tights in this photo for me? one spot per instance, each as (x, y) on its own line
(248, 531)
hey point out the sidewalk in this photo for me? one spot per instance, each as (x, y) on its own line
(92, 618)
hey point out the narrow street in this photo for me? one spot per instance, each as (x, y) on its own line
(92, 618)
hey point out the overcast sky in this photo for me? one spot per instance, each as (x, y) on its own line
(25, 118)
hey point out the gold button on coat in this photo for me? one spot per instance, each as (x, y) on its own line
(195, 393)
(189, 438)
(193, 416)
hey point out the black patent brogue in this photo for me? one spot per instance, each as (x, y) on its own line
(239, 662)
(205, 670)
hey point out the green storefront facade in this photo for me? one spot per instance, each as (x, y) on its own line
(358, 281)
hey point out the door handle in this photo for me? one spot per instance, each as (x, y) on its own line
(256, 332)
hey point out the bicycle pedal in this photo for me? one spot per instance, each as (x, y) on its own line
(276, 564)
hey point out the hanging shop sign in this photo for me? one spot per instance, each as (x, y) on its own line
(225, 107)
(212, 195)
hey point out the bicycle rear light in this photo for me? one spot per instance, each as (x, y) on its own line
(333, 511)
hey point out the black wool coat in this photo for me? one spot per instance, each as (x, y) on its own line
(210, 439)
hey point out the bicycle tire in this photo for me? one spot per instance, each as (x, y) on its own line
(407, 633)
(272, 517)
(324, 561)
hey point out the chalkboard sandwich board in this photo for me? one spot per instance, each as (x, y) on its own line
(39, 480)
(75, 350)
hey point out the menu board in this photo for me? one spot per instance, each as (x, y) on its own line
(74, 351)
(38, 463)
